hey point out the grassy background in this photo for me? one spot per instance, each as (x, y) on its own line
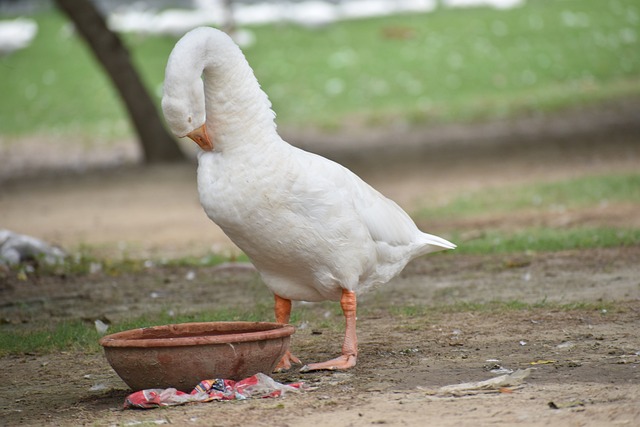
(543, 197)
(585, 193)
(449, 65)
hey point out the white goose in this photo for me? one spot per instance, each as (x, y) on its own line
(313, 229)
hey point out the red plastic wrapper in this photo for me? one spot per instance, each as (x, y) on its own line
(256, 386)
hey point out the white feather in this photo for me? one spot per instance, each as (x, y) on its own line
(310, 226)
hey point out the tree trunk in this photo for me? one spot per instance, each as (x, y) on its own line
(157, 144)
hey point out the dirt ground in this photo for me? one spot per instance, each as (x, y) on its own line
(425, 329)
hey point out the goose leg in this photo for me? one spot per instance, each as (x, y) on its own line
(283, 311)
(350, 346)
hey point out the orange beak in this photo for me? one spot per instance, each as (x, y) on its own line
(200, 137)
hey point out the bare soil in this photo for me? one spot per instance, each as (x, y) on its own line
(437, 324)
(584, 326)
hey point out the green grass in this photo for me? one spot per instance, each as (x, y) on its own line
(572, 193)
(589, 192)
(547, 240)
(456, 65)
(66, 335)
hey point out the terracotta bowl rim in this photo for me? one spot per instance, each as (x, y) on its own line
(130, 338)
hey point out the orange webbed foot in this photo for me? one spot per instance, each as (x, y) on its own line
(285, 363)
(340, 363)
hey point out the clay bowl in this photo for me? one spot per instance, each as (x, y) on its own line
(182, 355)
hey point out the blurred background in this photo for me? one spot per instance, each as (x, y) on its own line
(429, 100)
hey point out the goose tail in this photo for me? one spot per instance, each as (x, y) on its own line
(431, 243)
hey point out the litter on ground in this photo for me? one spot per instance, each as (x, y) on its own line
(501, 384)
(256, 386)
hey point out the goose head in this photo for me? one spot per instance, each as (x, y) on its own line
(209, 86)
(183, 100)
(185, 115)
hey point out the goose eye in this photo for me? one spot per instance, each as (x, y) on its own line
(189, 119)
